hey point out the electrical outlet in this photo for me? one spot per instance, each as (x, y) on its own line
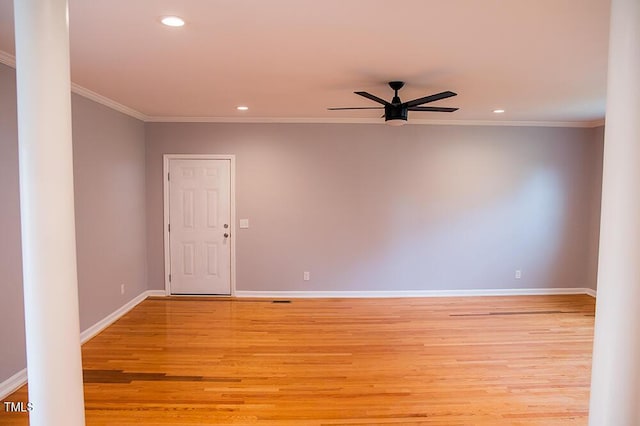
(306, 276)
(121, 288)
(518, 274)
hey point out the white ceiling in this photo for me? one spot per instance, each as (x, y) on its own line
(541, 60)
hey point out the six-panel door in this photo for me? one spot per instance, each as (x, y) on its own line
(200, 226)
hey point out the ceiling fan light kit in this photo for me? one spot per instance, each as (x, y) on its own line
(395, 116)
(396, 112)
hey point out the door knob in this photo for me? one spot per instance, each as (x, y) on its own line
(226, 225)
(226, 235)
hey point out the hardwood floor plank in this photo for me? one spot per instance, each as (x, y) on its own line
(522, 360)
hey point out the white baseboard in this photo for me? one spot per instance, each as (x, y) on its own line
(20, 378)
(591, 292)
(115, 315)
(13, 383)
(411, 293)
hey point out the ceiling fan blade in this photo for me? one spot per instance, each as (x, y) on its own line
(431, 98)
(433, 109)
(373, 98)
(340, 109)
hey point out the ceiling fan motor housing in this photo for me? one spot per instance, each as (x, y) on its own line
(395, 112)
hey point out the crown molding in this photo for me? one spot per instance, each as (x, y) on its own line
(597, 123)
(96, 97)
(310, 120)
(276, 120)
(10, 60)
(7, 59)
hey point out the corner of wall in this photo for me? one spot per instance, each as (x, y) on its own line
(597, 147)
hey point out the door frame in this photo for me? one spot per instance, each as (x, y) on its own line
(232, 196)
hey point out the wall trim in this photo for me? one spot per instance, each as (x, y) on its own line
(7, 59)
(20, 378)
(92, 331)
(338, 120)
(110, 103)
(411, 293)
(10, 60)
(13, 383)
(591, 292)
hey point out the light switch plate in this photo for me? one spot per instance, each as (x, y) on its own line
(244, 223)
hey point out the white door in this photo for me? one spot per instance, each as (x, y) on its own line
(199, 226)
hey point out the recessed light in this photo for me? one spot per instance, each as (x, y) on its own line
(498, 111)
(172, 21)
(242, 108)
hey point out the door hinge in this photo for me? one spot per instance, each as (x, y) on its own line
(168, 176)
(169, 227)
(169, 277)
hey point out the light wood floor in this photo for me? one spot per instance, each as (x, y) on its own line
(521, 360)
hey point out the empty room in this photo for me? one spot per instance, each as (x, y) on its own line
(315, 213)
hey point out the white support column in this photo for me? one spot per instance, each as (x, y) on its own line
(47, 212)
(615, 381)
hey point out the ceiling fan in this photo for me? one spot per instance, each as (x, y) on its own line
(396, 111)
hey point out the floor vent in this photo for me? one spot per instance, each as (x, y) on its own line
(281, 301)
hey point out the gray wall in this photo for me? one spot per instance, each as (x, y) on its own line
(370, 207)
(12, 341)
(109, 178)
